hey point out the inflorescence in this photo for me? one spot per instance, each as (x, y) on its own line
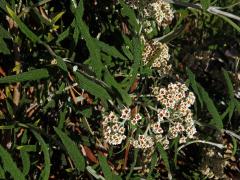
(175, 101)
(157, 55)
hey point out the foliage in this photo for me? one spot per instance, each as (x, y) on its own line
(67, 67)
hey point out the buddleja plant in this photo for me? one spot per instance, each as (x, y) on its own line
(92, 93)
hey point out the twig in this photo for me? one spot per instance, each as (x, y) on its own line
(220, 146)
(231, 134)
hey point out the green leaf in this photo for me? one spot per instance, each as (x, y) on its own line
(2, 173)
(61, 64)
(217, 120)
(95, 57)
(110, 50)
(26, 76)
(154, 160)
(205, 4)
(137, 55)
(46, 171)
(105, 167)
(91, 87)
(235, 146)
(72, 150)
(33, 37)
(9, 165)
(57, 17)
(233, 24)
(3, 47)
(135, 156)
(229, 84)
(62, 118)
(193, 83)
(25, 161)
(27, 148)
(4, 33)
(109, 79)
(132, 19)
(164, 157)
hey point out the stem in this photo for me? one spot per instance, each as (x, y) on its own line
(220, 146)
(211, 9)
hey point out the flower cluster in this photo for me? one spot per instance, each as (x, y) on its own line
(157, 54)
(113, 129)
(113, 126)
(176, 101)
(143, 142)
(154, 9)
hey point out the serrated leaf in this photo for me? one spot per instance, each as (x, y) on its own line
(9, 165)
(109, 79)
(36, 74)
(132, 19)
(110, 50)
(72, 150)
(91, 87)
(217, 120)
(33, 37)
(95, 57)
(105, 167)
(46, 171)
(137, 56)
(63, 35)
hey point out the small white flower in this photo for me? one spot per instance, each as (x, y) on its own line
(75, 68)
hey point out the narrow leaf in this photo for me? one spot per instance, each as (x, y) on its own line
(95, 57)
(72, 150)
(229, 84)
(193, 83)
(105, 167)
(164, 157)
(111, 81)
(217, 121)
(2, 173)
(26, 76)
(9, 165)
(25, 161)
(3, 47)
(110, 50)
(46, 171)
(33, 37)
(233, 24)
(61, 64)
(132, 19)
(4, 33)
(91, 87)
(137, 54)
